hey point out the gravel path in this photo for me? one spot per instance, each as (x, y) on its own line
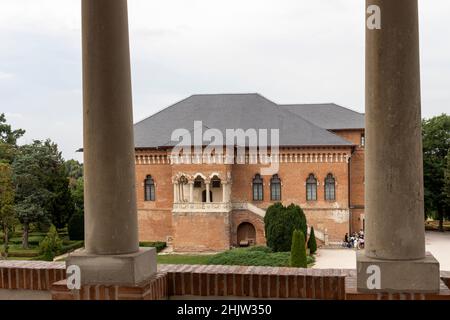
(436, 242)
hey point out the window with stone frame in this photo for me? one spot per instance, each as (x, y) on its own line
(215, 182)
(149, 189)
(311, 188)
(330, 187)
(258, 188)
(275, 188)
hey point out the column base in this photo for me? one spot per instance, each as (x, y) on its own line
(126, 269)
(407, 276)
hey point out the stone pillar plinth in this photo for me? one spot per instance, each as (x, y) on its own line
(394, 258)
(112, 253)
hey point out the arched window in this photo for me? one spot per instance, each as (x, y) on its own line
(311, 188)
(149, 189)
(330, 187)
(257, 188)
(275, 188)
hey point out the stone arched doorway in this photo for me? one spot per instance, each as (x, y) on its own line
(246, 234)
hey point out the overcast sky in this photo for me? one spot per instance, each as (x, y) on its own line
(290, 51)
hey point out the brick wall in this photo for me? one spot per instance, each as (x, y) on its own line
(184, 281)
(254, 282)
(201, 231)
(30, 275)
(241, 216)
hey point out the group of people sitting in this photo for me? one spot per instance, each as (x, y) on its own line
(356, 240)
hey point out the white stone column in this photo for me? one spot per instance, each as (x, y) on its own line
(175, 192)
(394, 208)
(111, 226)
(191, 191)
(208, 198)
(224, 191)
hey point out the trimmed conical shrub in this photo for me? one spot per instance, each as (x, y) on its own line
(312, 244)
(298, 250)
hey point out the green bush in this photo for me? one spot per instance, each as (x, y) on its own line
(312, 244)
(75, 227)
(72, 245)
(159, 245)
(280, 222)
(51, 245)
(298, 250)
(248, 257)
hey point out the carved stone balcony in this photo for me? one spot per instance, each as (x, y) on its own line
(202, 207)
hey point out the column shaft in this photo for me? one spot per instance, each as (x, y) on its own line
(175, 192)
(191, 192)
(110, 195)
(224, 192)
(208, 198)
(394, 168)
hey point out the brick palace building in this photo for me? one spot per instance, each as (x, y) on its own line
(207, 204)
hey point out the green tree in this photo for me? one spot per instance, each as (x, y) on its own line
(447, 182)
(280, 222)
(51, 245)
(298, 250)
(75, 227)
(77, 191)
(41, 186)
(7, 214)
(312, 243)
(8, 140)
(74, 171)
(436, 145)
(61, 206)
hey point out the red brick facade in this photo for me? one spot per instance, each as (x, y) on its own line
(201, 226)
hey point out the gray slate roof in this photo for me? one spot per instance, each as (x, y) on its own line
(232, 111)
(328, 116)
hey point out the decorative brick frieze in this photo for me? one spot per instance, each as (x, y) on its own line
(30, 275)
(151, 289)
(217, 282)
(255, 282)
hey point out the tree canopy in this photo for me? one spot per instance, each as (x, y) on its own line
(8, 140)
(436, 145)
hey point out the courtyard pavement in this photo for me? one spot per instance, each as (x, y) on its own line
(436, 242)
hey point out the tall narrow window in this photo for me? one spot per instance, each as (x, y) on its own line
(275, 188)
(363, 140)
(149, 189)
(311, 188)
(330, 187)
(257, 188)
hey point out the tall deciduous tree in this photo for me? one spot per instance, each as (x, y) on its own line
(447, 181)
(6, 203)
(42, 188)
(436, 145)
(8, 140)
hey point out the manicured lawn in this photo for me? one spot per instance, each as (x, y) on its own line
(16, 252)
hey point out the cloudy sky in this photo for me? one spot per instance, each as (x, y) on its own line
(291, 51)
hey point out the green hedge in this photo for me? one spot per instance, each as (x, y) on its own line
(33, 240)
(73, 245)
(253, 256)
(159, 245)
